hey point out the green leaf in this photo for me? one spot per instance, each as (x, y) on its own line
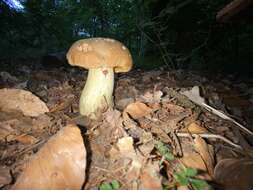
(164, 151)
(168, 156)
(190, 172)
(182, 180)
(198, 184)
(115, 185)
(105, 186)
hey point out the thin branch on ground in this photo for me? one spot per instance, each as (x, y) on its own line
(210, 136)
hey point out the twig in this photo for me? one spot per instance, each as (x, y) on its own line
(214, 136)
(224, 116)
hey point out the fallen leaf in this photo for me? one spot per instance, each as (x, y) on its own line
(62, 105)
(21, 100)
(8, 78)
(182, 188)
(173, 108)
(150, 178)
(125, 145)
(194, 95)
(152, 97)
(147, 143)
(234, 174)
(5, 176)
(26, 139)
(203, 149)
(132, 160)
(60, 164)
(137, 110)
(195, 128)
(5, 130)
(113, 117)
(194, 160)
(122, 103)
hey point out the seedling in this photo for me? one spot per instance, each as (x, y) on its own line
(114, 185)
(164, 151)
(186, 177)
(183, 176)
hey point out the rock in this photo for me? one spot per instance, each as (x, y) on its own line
(21, 100)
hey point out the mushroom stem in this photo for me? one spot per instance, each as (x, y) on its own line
(96, 96)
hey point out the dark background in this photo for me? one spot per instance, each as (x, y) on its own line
(172, 33)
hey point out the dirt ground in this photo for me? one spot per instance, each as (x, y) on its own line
(155, 137)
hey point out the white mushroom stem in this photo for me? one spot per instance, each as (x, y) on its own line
(97, 93)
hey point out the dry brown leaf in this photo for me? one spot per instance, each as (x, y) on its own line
(173, 109)
(182, 188)
(5, 176)
(195, 128)
(195, 97)
(21, 100)
(132, 160)
(194, 160)
(5, 130)
(203, 149)
(122, 103)
(60, 164)
(150, 178)
(62, 105)
(26, 139)
(152, 97)
(137, 110)
(113, 117)
(125, 145)
(234, 174)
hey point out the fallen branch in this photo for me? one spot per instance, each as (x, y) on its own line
(195, 97)
(211, 136)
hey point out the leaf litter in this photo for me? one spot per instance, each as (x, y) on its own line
(196, 147)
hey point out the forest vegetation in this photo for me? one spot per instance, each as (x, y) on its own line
(172, 33)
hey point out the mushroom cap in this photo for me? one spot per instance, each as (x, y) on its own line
(94, 53)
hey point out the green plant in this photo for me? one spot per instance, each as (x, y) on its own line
(186, 177)
(114, 185)
(164, 151)
(183, 176)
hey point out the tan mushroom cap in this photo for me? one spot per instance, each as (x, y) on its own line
(94, 53)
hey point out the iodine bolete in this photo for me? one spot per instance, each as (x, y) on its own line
(102, 57)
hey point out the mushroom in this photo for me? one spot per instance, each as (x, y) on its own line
(102, 57)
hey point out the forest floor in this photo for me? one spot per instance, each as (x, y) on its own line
(155, 137)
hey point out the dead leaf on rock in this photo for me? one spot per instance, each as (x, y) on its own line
(207, 156)
(60, 164)
(41, 122)
(21, 100)
(234, 174)
(13, 124)
(137, 110)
